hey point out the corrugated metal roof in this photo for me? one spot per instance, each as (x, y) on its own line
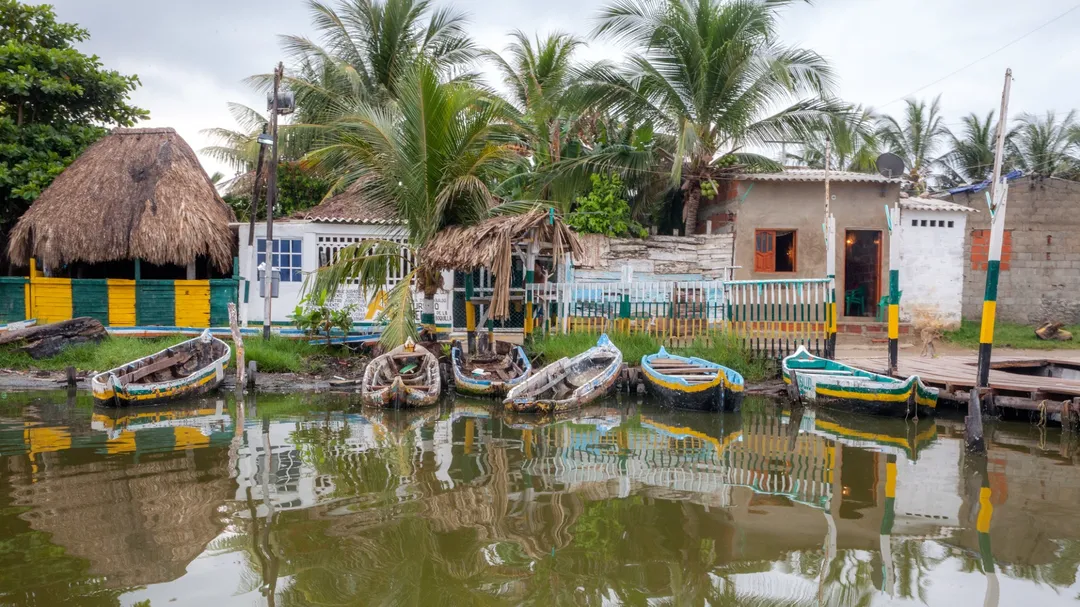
(811, 175)
(933, 204)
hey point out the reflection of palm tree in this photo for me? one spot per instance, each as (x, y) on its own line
(913, 562)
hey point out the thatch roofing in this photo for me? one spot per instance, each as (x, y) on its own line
(489, 244)
(350, 206)
(137, 193)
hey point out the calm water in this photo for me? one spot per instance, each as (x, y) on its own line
(306, 501)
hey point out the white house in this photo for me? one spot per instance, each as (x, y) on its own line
(932, 259)
(312, 239)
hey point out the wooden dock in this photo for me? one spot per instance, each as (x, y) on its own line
(955, 376)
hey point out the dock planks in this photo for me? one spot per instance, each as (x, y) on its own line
(958, 372)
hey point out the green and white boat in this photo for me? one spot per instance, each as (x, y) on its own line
(823, 381)
(194, 367)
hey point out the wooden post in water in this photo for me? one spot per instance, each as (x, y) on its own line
(238, 343)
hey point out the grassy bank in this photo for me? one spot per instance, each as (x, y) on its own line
(720, 348)
(1009, 335)
(276, 355)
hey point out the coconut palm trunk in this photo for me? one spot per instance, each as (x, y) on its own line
(690, 210)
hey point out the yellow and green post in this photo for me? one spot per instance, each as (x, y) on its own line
(470, 313)
(895, 228)
(993, 270)
(887, 522)
(830, 271)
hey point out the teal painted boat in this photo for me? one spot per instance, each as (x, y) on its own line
(820, 380)
(489, 375)
(692, 383)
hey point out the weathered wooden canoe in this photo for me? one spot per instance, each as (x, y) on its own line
(820, 380)
(195, 366)
(692, 383)
(407, 376)
(569, 383)
(489, 375)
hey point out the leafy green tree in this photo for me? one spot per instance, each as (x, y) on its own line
(604, 210)
(972, 155)
(709, 75)
(1046, 146)
(54, 102)
(429, 157)
(916, 138)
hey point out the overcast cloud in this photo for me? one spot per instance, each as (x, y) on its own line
(193, 56)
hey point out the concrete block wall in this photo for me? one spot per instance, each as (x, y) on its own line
(1042, 279)
(701, 257)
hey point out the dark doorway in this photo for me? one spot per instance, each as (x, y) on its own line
(862, 272)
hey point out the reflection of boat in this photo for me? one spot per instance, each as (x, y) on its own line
(195, 366)
(407, 376)
(493, 374)
(598, 416)
(826, 381)
(886, 435)
(692, 383)
(569, 383)
(163, 429)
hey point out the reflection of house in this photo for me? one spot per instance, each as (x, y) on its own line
(313, 239)
(777, 219)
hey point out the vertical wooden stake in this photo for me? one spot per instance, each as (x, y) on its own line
(238, 342)
(71, 379)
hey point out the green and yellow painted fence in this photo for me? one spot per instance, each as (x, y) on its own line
(774, 317)
(117, 302)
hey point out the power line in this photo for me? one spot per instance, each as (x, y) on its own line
(991, 53)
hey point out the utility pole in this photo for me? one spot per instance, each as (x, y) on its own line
(999, 193)
(830, 264)
(271, 200)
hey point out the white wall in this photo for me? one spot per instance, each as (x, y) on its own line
(932, 264)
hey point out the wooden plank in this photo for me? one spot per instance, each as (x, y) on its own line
(154, 367)
(959, 373)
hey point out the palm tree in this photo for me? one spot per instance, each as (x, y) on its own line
(1045, 146)
(972, 155)
(237, 148)
(916, 137)
(853, 143)
(708, 77)
(429, 157)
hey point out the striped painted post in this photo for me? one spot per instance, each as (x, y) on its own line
(470, 313)
(895, 229)
(993, 269)
(830, 272)
(887, 524)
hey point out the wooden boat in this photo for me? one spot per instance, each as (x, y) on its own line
(820, 380)
(407, 376)
(692, 383)
(195, 366)
(569, 383)
(491, 374)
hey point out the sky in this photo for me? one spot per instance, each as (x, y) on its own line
(193, 56)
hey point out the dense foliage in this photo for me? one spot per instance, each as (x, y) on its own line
(604, 210)
(54, 102)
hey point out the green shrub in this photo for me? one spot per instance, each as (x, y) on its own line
(604, 210)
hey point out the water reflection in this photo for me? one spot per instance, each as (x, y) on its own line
(308, 501)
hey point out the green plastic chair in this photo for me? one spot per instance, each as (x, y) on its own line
(853, 298)
(883, 307)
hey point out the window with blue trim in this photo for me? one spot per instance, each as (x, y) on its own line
(287, 256)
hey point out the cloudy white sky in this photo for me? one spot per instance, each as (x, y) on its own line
(193, 56)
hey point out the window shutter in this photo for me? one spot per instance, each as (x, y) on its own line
(765, 251)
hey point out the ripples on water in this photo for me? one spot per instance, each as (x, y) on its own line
(303, 500)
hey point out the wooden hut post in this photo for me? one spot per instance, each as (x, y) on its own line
(470, 313)
(894, 286)
(530, 277)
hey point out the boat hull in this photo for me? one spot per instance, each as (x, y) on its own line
(599, 385)
(861, 391)
(398, 394)
(468, 385)
(108, 392)
(724, 393)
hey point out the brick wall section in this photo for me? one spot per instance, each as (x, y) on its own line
(980, 250)
(1042, 278)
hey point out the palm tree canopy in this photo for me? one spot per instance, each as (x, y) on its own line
(916, 137)
(1045, 146)
(972, 155)
(853, 142)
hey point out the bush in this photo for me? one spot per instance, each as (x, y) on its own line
(604, 210)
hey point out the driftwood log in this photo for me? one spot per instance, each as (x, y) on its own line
(44, 341)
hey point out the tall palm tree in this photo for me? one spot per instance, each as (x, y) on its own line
(853, 142)
(709, 75)
(237, 148)
(972, 155)
(1045, 146)
(429, 157)
(916, 137)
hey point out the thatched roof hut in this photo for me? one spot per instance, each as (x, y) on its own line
(490, 244)
(136, 194)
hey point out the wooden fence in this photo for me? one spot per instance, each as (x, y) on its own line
(774, 317)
